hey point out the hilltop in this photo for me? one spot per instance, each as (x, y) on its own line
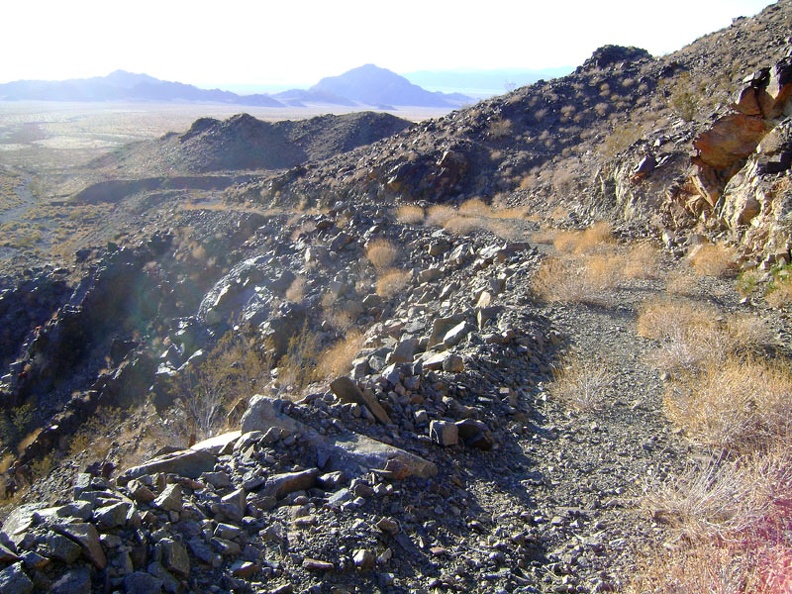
(539, 344)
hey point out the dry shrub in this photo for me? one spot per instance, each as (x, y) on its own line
(560, 280)
(682, 282)
(573, 279)
(733, 516)
(462, 225)
(510, 212)
(737, 405)
(779, 292)
(299, 366)
(641, 262)
(713, 260)
(438, 214)
(661, 319)
(475, 207)
(410, 214)
(338, 358)
(381, 253)
(296, 291)
(596, 237)
(706, 567)
(391, 282)
(582, 383)
(694, 336)
(723, 498)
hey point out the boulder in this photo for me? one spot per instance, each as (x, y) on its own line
(14, 580)
(87, 537)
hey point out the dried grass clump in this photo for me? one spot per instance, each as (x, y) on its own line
(694, 336)
(662, 319)
(391, 282)
(410, 214)
(439, 214)
(713, 260)
(475, 207)
(296, 291)
(337, 360)
(462, 225)
(299, 366)
(682, 282)
(737, 405)
(779, 292)
(559, 280)
(583, 384)
(596, 237)
(381, 253)
(576, 278)
(706, 567)
(733, 517)
(641, 261)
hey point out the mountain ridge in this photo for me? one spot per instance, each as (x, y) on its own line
(376, 87)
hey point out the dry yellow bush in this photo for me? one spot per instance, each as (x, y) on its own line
(510, 212)
(575, 278)
(438, 214)
(391, 282)
(779, 293)
(596, 237)
(642, 261)
(661, 319)
(694, 336)
(299, 366)
(705, 567)
(462, 225)
(475, 207)
(381, 253)
(701, 500)
(731, 515)
(682, 282)
(582, 383)
(739, 404)
(338, 358)
(410, 214)
(713, 259)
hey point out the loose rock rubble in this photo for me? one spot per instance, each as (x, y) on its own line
(437, 461)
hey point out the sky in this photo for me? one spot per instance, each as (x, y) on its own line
(297, 42)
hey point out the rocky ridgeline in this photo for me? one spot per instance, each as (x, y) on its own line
(661, 144)
(319, 491)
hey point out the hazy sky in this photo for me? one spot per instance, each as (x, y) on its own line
(297, 42)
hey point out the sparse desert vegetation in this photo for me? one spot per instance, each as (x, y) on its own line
(530, 346)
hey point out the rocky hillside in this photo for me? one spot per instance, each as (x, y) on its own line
(351, 354)
(247, 144)
(613, 139)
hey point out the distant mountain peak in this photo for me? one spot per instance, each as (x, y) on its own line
(371, 85)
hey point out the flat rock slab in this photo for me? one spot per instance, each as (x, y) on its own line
(186, 463)
(350, 452)
(353, 452)
(220, 444)
(20, 521)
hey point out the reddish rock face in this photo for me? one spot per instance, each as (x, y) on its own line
(731, 139)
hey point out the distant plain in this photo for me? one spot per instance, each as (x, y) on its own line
(50, 136)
